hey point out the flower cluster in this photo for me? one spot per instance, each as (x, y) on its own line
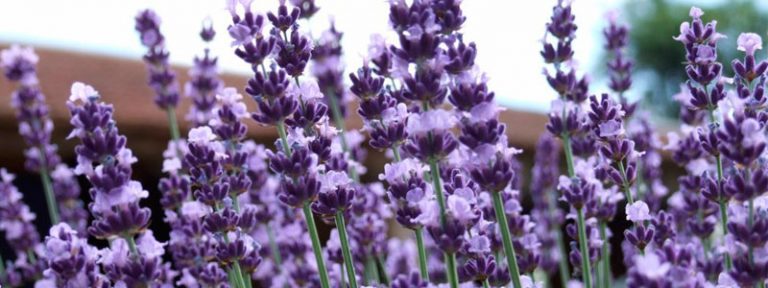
(35, 126)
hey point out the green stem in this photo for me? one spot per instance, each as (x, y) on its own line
(2, 270)
(383, 267)
(273, 246)
(450, 258)
(246, 277)
(339, 121)
(50, 199)
(316, 247)
(453, 275)
(422, 255)
(434, 168)
(173, 123)
(342, 229)
(396, 153)
(132, 245)
(606, 261)
(568, 153)
(486, 284)
(238, 275)
(586, 271)
(509, 251)
(724, 220)
(625, 184)
(283, 137)
(372, 273)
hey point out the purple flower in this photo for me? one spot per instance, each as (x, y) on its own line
(638, 211)
(749, 42)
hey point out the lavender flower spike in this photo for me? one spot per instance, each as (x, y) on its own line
(162, 79)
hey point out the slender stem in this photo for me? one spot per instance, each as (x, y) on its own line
(173, 123)
(283, 137)
(341, 226)
(586, 271)
(338, 119)
(383, 267)
(724, 220)
(246, 278)
(50, 199)
(316, 247)
(273, 246)
(396, 153)
(568, 153)
(453, 275)
(434, 168)
(625, 184)
(450, 258)
(509, 251)
(132, 245)
(2, 270)
(486, 284)
(723, 203)
(371, 271)
(606, 261)
(234, 273)
(422, 255)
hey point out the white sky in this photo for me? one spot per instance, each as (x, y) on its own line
(506, 33)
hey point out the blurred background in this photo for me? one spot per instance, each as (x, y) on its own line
(94, 41)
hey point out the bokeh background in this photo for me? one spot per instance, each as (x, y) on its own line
(94, 41)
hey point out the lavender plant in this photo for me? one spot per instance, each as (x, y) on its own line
(451, 180)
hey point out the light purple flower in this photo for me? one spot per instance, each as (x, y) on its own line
(611, 128)
(460, 209)
(399, 171)
(484, 112)
(479, 244)
(638, 211)
(82, 92)
(696, 12)
(749, 42)
(130, 193)
(650, 266)
(9, 56)
(201, 135)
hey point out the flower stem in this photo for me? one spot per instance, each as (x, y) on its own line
(50, 199)
(625, 184)
(173, 123)
(383, 267)
(606, 261)
(316, 247)
(273, 246)
(371, 272)
(338, 119)
(509, 251)
(434, 168)
(450, 258)
(586, 271)
(2, 270)
(723, 203)
(568, 153)
(283, 137)
(453, 275)
(132, 245)
(341, 226)
(485, 283)
(422, 255)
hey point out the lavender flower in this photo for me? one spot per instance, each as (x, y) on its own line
(162, 79)
(35, 126)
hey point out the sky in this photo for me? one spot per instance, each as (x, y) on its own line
(507, 35)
